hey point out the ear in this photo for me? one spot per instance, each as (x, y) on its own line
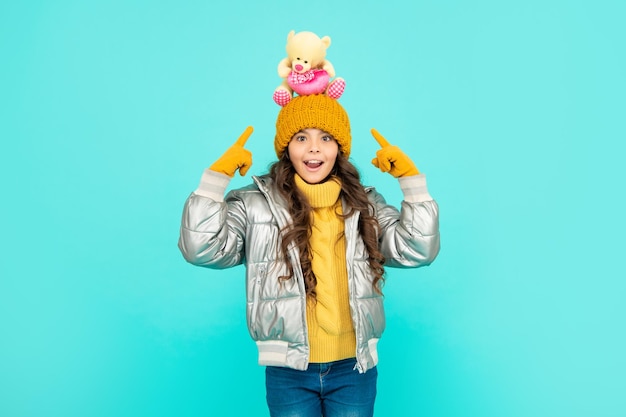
(326, 41)
(290, 35)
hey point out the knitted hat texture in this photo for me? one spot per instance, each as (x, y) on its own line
(314, 111)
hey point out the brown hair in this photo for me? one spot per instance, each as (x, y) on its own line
(299, 232)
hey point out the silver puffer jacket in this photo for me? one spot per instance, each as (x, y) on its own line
(245, 228)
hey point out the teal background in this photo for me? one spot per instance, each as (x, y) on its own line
(109, 112)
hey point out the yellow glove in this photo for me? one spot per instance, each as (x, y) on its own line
(236, 157)
(391, 159)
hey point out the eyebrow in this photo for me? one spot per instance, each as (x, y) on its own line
(303, 132)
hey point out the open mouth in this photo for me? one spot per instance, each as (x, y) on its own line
(313, 164)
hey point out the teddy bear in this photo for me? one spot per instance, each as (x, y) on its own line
(306, 70)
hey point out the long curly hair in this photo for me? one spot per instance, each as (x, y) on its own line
(299, 232)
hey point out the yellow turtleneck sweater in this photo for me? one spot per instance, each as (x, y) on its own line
(331, 333)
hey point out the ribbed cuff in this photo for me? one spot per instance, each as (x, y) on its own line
(414, 188)
(213, 185)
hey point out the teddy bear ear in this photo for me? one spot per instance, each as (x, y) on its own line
(291, 35)
(326, 41)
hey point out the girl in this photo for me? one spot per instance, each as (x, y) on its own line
(314, 242)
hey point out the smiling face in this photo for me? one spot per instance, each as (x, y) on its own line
(313, 153)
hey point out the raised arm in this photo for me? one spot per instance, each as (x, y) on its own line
(212, 231)
(409, 237)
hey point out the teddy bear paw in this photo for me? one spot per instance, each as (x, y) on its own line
(281, 97)
(335, 88)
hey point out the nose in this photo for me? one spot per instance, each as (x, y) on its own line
(314, 146)
(299, 67)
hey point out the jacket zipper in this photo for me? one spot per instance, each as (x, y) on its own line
(350, 227)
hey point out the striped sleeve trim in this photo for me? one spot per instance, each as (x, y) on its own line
(414, 188)
(213, 185)
(272, 352)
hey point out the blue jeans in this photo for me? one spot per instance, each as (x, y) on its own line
(333, 389)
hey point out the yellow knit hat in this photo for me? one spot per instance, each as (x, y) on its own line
(318, 111)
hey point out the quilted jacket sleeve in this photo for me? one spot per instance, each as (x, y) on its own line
(212, 232)
(410, 237)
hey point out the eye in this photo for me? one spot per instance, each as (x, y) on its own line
(300, 138)
(306, 62)
(327, 138)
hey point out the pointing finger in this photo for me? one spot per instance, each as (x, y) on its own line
(380, 138)
(244, 136)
